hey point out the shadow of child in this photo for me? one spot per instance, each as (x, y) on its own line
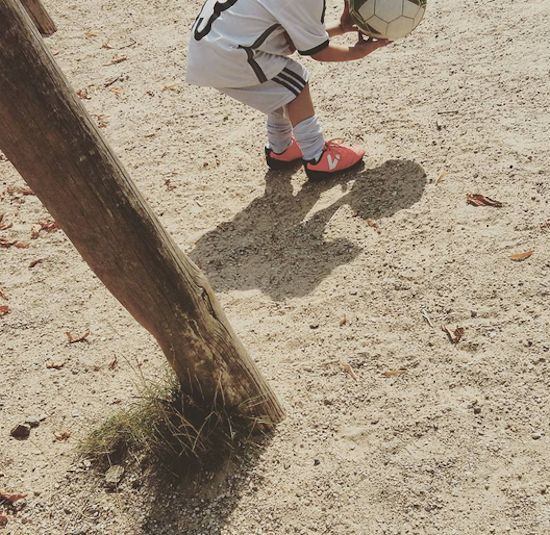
(269, 246)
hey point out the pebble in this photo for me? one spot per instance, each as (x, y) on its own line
(536, 436)
(113, 476)
(33, 421)
(21, 431)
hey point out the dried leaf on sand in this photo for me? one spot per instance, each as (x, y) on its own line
(4, 226)
(475, 199)
(10, 499)
(520, 257)
(102, 120)
(74, 339)
(118, 91)
(62, 436)
(6, 244)
(454, 336)
(34, 263)
(54, 365)
(20, 190)
(46, 226)
(83, 94)
(348, 370)
(373, 224)
(49, 226)
(394, 373)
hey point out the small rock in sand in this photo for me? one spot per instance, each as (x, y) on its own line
(113, 476)
(21, 431)
(33, 421)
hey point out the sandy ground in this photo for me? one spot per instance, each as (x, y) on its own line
(455, 443)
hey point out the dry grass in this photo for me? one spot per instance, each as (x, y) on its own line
(164, 426)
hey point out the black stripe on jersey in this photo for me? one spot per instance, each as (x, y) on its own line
(294, 75)
(254, 64)
(260, 41)
(298, 85)
(287, 85)
(250, 53)
(313, 51)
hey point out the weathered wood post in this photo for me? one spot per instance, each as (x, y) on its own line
(39, 15)
(50, 139)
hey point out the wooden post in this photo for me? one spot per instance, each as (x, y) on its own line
(50, 139)
(39, 15)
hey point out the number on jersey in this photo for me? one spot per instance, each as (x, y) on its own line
(211, 11)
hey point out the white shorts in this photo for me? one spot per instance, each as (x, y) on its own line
(275, 93)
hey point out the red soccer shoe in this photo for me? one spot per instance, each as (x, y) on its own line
(285, 159)
(335, 159)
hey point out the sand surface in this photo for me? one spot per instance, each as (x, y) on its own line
(455, 444)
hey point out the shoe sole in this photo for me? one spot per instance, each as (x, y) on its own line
(281, 165)
(322, 175)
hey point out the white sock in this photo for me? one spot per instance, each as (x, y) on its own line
(279, 131)
(310, 138)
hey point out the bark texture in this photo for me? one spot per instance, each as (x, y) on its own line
(50, 139)
(46, 26)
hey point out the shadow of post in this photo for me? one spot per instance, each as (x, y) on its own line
(202, 500)
(269, 246)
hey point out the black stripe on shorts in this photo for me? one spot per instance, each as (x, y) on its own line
(298, 85)
(294, 75)
(291, 88)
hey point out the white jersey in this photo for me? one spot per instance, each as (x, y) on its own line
(240, 43)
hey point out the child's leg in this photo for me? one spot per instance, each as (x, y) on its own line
(307, 128)
(279, 131)
(289, 90)
(321, 159)
(301, 108)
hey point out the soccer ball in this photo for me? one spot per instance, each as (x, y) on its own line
(387, 19)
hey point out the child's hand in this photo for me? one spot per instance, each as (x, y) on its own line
(367, 46)
(362, 48)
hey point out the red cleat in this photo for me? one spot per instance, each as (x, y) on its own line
(285, 159)
(335, 159)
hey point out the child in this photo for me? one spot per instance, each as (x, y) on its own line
(241, 48)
